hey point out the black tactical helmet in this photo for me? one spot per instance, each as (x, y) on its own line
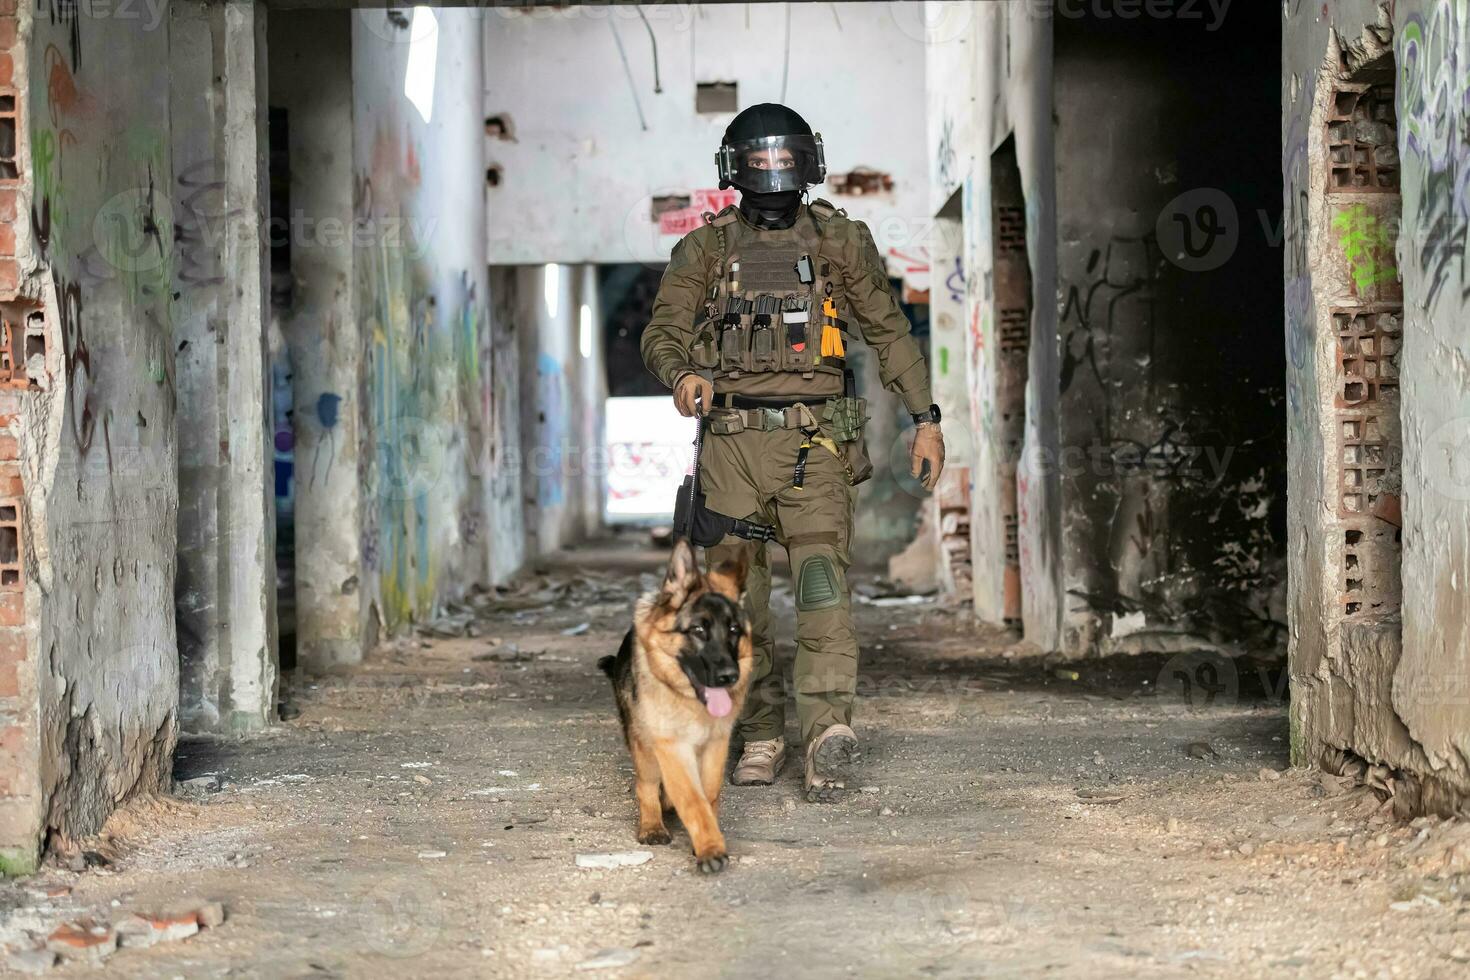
(769, 148)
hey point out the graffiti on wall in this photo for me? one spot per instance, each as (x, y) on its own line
(1433, 88)
(409, 376)
(100, 217)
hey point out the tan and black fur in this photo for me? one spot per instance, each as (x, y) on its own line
(688, 637)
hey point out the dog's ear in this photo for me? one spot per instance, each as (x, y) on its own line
(682, 577)
(729, 578)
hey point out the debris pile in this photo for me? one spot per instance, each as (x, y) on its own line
(87, 941)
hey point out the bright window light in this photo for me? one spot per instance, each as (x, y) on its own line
(551, 282)
(584, 334)
(423, 58)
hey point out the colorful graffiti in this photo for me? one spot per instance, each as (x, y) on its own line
(955, 281)
(1433, 91)
(408, 372)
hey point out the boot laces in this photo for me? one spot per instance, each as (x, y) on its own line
(760, 753)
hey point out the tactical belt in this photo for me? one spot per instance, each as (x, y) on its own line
(732, 414)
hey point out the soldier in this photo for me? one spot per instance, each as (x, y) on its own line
(749, 323)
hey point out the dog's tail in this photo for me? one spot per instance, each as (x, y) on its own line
(607, 664)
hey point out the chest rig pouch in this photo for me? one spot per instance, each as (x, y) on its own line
(773, 303)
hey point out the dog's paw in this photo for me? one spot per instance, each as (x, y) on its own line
(657, 835)
(712, 863)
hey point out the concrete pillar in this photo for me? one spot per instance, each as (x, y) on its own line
(948, 519)
(226, 578)
(592, 413)
(505, 520)
(311, 79)
(550, 429)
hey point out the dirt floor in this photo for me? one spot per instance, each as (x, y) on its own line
(422, 816)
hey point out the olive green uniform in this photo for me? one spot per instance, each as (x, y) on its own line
(760, 310)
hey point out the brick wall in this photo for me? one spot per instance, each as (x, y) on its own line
(21, 338)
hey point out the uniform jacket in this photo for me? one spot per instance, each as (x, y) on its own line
(864, 296)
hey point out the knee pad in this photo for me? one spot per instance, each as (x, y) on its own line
(817, 584)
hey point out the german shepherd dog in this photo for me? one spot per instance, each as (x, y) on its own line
(680, 679)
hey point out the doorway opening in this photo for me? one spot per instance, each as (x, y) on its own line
(1172, 383)
(648, 445)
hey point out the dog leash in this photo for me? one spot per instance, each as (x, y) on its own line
(698, 447)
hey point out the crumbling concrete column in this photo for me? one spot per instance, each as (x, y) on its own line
(226, 580)
(92, 359)
(949, 517)
(311, 80)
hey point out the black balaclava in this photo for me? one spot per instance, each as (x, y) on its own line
(773, 209)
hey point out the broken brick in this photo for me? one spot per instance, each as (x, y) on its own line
(82, 940)
(147, 930)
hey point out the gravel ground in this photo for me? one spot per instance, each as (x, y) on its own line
(422, 816)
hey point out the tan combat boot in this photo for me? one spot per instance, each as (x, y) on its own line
(759, 763)
(829, 761)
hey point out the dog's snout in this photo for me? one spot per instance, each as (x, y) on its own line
(726, 676)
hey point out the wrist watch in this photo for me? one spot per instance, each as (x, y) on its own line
(932, 415)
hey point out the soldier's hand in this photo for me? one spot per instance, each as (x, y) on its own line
(687, 388)
(928, 448)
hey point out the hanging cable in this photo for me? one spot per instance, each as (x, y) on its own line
(657, 88)
(628, 70)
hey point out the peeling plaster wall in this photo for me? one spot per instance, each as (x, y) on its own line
(422, 300)
(990, 71)
(1393, 691)
(580, 169)
(1172, 469)
(1431, 689)
(100, 444)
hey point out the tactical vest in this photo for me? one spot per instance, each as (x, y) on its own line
(773, 301)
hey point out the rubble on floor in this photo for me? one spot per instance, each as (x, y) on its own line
(46, 936)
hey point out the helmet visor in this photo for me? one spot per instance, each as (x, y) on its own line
(773, 163)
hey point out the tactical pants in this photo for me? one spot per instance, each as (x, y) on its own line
(749, 474)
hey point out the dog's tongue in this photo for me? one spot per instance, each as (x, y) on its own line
(717, 700)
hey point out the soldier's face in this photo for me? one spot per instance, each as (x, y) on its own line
(773, 160)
